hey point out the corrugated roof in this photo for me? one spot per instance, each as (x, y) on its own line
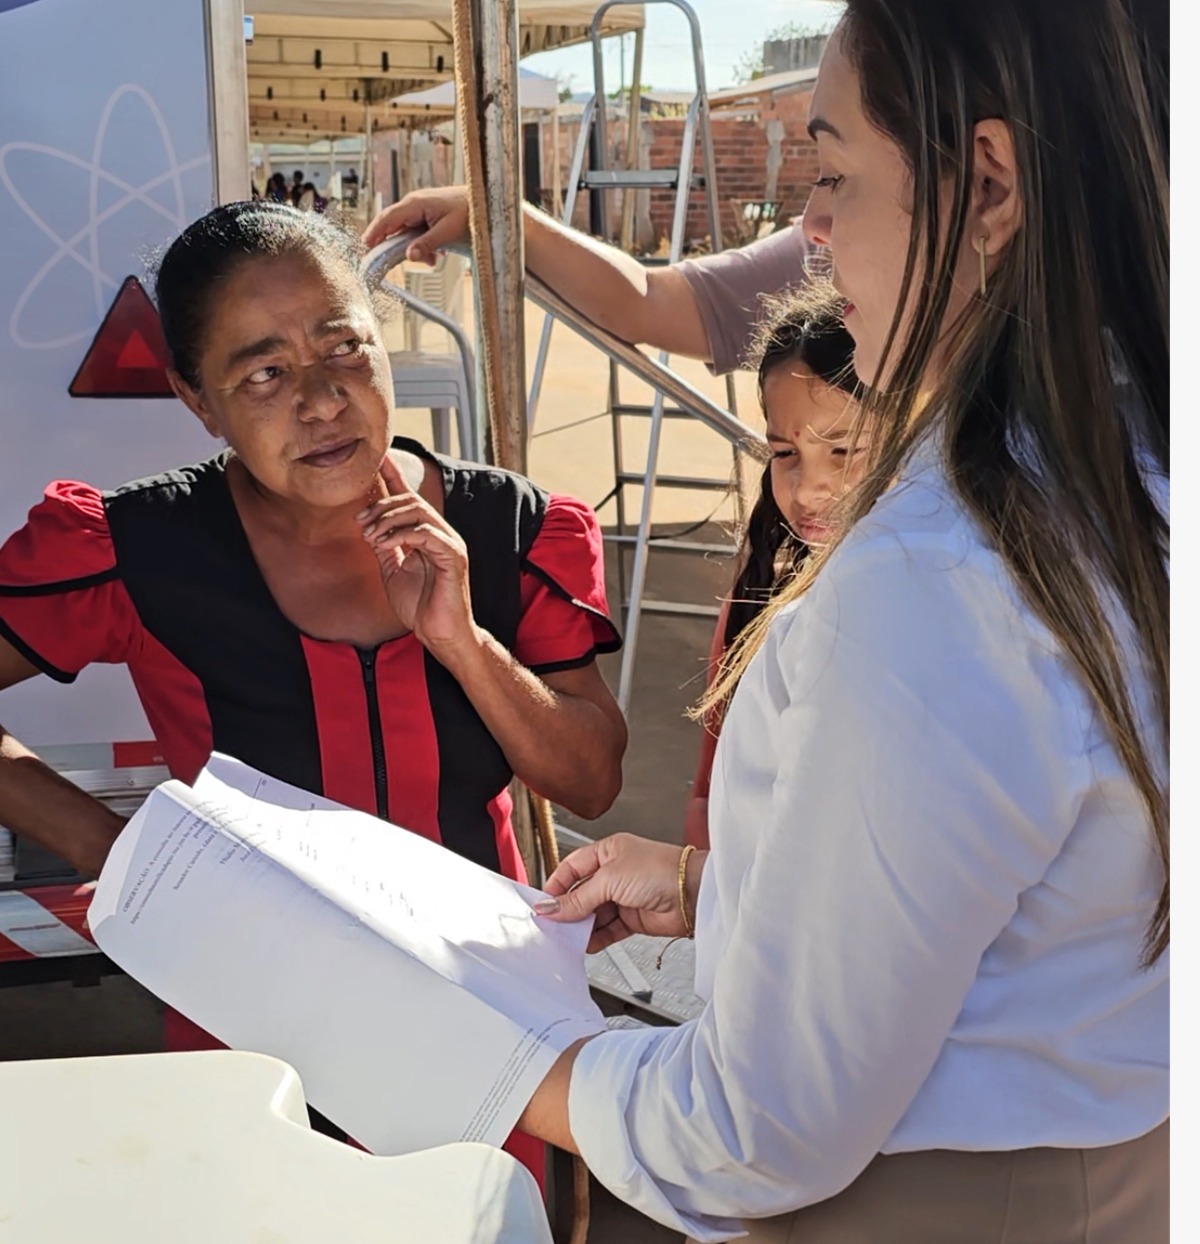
(771, 82)
(669, 97)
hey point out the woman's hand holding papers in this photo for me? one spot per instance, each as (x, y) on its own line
(631, 885)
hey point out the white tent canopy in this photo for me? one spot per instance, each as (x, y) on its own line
(315, 66)
(536, 93)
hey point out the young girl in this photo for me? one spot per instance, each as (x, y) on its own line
(807, 390)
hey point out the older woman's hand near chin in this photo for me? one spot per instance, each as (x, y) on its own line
(630, 884)
(562, 734)
(424, 564)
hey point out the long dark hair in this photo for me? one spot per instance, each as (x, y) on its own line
(797, 329)
(1047, 452)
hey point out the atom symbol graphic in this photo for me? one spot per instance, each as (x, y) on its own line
(83, 247)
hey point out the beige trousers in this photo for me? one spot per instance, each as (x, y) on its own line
(1115, 1195)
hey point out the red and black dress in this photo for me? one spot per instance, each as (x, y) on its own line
(159, 576)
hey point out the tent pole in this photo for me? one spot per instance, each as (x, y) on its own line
(367, 181)
(556, 166)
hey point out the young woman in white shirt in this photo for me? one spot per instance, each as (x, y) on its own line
(933, 926)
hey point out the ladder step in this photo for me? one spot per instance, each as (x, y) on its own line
(678, 607)
(668, 545)
(634, 179)
(677, 481)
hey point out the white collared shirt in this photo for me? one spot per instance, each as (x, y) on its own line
(921, 920)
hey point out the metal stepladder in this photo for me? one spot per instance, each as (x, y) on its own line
(598, 179)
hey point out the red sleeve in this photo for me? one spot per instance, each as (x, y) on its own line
(62, 604)
(564, 607)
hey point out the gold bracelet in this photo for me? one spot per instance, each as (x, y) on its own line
(688, 923)
(687, 920)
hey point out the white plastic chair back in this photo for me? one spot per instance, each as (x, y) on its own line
(436, 368)
(440, 287)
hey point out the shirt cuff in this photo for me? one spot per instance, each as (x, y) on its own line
(602, 1082)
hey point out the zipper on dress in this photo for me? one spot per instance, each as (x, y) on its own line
(366, 658)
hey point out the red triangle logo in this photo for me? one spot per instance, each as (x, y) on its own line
(137, 354)
(128, 356)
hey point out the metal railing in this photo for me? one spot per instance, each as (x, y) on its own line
(674, 387)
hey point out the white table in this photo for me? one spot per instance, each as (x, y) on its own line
(672, 998)
(215, 1148)
(669, 996)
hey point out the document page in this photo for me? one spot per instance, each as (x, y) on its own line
(416, 993)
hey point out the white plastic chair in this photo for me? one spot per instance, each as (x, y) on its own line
(441, 287)
(440, 381)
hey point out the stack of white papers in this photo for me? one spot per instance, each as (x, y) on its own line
(416, 993)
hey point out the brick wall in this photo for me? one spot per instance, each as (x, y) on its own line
(740, 152)
(762, 128)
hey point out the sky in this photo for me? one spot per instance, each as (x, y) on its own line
(729, 29)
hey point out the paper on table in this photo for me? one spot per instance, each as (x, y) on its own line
(415, 992)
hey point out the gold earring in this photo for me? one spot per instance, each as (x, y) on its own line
(983, 265)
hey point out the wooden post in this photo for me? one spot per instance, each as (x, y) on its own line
(494, 49)
(633, 142)
(485, 66)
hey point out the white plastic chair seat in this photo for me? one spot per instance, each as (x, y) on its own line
(439, 383)
(215, 1146)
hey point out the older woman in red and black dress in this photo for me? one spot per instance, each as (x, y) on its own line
(343, 610)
